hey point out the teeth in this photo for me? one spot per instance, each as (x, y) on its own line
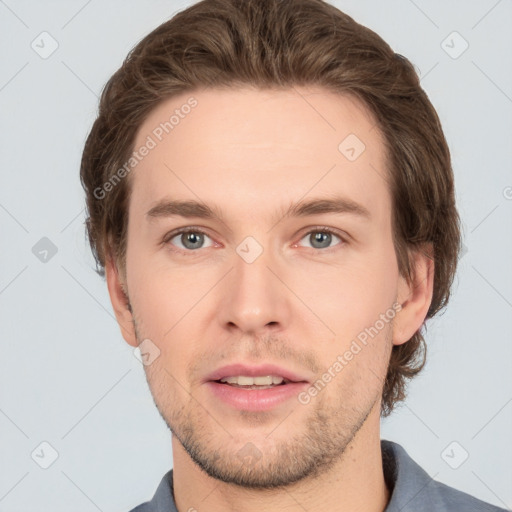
(243, 380)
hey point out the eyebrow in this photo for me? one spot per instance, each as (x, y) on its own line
(334, 205)
(169, 208)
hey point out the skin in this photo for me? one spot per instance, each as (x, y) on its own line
(297, 305)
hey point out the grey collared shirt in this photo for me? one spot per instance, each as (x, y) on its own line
(413, 490)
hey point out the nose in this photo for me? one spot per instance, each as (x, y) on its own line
(254, 299)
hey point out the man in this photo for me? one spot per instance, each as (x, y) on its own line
(271, 199)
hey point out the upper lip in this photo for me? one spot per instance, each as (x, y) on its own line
(254, 371)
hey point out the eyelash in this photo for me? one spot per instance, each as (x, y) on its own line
(192, 229)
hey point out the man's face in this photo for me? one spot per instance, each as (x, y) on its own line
(256, 286)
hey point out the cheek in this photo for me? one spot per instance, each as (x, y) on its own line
(170, 306)
(351, 295)
(161, 294)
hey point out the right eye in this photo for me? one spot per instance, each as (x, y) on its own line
(188, 239)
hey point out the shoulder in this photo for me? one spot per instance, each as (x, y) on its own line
(163, 499)
(144, 507)
(444, 497)
(414, 490)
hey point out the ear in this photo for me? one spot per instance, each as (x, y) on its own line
(120, 302)
(415, 296)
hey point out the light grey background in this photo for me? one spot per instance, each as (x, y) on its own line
(68, 377)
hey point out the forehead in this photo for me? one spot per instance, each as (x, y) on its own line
(247, 148)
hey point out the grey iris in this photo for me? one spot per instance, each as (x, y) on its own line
(192, 240)
(321, 238)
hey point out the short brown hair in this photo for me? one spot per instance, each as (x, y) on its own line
(281, 44)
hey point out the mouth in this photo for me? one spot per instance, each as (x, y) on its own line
(243, 375)
(254, 388)
(258, 382)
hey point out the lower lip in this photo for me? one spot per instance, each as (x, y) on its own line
(256, 399)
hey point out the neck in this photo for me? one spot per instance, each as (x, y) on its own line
(354, 483)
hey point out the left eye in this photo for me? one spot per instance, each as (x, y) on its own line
(320, 239)
(190, 240)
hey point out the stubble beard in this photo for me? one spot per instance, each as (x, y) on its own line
(305, 455)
